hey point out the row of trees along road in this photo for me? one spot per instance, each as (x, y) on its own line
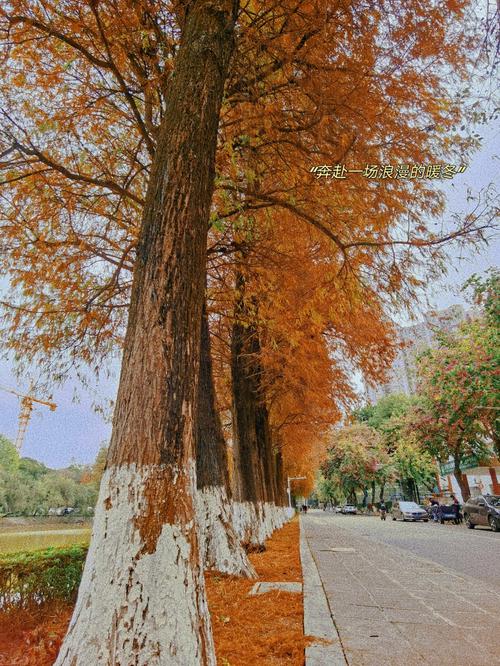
(454, 414)
(458, 413)
(377, 448)
(157, 200)
(28, 487)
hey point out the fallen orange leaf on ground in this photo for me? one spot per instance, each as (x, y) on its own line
(267, 628)
(248, 630)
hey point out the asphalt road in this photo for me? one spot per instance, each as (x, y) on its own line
(475, 553)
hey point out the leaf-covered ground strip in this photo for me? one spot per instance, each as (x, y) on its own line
(267, 628)
(32, 637)
(248, 630)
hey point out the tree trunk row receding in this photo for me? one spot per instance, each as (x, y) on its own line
(142, 598)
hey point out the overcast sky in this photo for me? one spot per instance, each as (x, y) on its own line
(74, 432)
(483, 170)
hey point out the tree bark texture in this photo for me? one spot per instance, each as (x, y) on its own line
(463, 483)
(211, 452)
(254, 470)
(142, 599)
(250, 430)
(281, 494)
(219, 544)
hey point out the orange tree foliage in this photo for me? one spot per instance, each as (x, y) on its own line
(83, 89)
(314, 328)
(332, 101)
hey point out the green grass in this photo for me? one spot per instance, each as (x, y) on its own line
(37, 539)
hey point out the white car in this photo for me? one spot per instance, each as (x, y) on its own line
(409, 511)
(349, 508)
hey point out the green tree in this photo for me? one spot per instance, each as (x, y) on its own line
(16, 494)
(355, 460)
(327, 490)
(32, 469)
(389, 407)
(408, 461)
(411, 461)
(28, 487)
(9, 457)
(459, 387)
(479, 354)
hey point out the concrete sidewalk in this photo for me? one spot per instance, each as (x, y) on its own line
(377, 605)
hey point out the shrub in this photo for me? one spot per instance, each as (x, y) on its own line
(32, 578)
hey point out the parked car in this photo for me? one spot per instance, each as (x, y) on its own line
(61, 511)
(349, 508)
(440, 513)
(483, 510)
(409, 511)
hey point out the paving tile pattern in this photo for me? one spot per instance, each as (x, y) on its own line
(391, 608)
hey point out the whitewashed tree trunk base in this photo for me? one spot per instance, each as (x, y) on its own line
(220, 546)
(255, 523)
(267, 525)
(278, 516)
(284, 514)
(247, 524)
(137, 608)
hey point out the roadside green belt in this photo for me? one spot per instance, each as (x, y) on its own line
(32, 578)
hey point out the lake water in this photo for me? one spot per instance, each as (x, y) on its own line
(36, 539)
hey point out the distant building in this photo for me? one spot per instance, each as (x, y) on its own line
(416, 338)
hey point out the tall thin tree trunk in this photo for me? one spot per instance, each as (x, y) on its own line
(280, 494)
(271, 514)
(142, 599)
(253, 480)
(220, 546)
(281, 497)
(247, 480)
(461, 478)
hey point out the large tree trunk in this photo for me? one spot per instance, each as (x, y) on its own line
(142, 599)
(253, 474)
(220, 546)
(248, 477)
(270, 512)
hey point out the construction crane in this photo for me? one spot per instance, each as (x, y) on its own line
(25, 413)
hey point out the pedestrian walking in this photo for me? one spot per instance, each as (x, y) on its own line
(456, 509)
(383, 511)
